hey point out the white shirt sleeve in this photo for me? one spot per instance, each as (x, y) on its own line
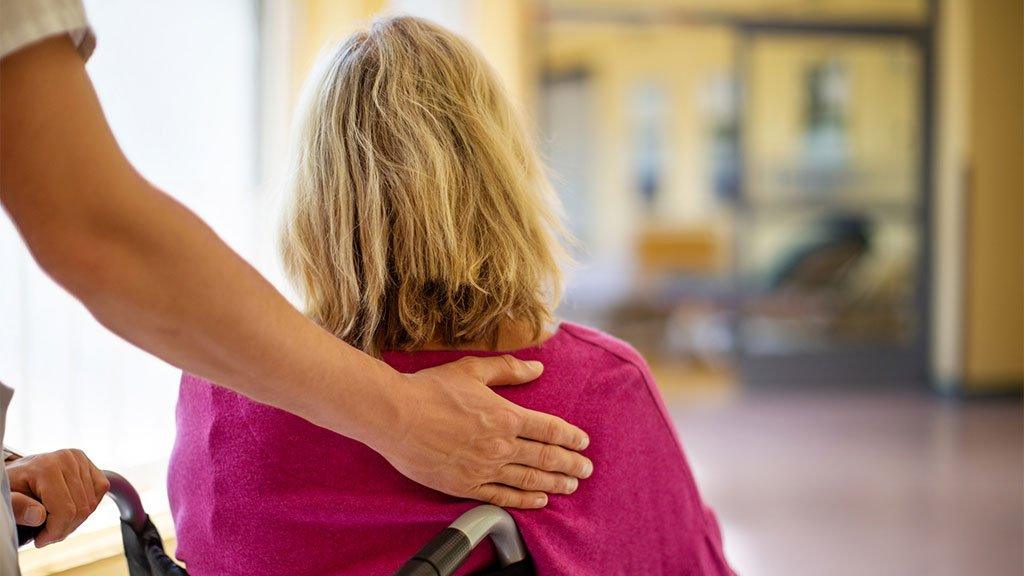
(24, 22)
(8, 532)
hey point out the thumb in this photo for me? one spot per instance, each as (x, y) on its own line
(507, 370)
(27, 511)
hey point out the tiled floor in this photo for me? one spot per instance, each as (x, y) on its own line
(871, 483)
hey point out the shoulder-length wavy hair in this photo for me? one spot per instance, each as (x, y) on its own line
(419, 210)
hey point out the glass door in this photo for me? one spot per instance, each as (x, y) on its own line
(830, 211)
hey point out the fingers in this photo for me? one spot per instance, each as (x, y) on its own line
(503, 370)
(552, 459)
(80, 482)
(77, 489)
(550, 429)
(507, 497)
(52, 489)
(99, 482)
(96, 484)
(27, 512)
(69, 486)
(488, 448)
(534, 480)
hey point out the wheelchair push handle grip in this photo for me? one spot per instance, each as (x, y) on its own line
(446, 551)
(441, 556)
(27, 534)
(121, 492)
(127, 499)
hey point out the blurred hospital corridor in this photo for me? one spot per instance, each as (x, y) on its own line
(806, 215)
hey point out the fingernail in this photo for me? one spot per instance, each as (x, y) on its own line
(588, 469)
(541, 500)
(573, 485)
(585, 442)
(35, 515)
(535, 366)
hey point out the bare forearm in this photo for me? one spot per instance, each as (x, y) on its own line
(165, 282)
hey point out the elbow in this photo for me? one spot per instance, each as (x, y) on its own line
(71, 251)
(63, 237)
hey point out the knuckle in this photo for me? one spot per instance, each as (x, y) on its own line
(578, 466)
(470, 366)
(548, 457)
(502, 448)
(496, 448)
(564, 485)
(482, 472)
(553, 428)
(509, 419)
(476, 374)
(510, 363)
(64, 458)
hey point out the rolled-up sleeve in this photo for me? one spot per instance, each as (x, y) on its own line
(25, 22)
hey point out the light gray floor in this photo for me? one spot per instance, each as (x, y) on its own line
(870, 483)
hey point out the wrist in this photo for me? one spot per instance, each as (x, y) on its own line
(359, 400)
(379, 412)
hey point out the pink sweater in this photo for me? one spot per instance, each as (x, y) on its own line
(257, 491)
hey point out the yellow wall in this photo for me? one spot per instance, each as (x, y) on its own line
(498, 29)
(994, 346)
(321, 23)
(978, 236)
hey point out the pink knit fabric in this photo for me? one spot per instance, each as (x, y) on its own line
(258, 491)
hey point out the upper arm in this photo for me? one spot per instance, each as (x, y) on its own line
(63, 179)
(59, 162)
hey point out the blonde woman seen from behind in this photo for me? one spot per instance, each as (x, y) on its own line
(421, 229)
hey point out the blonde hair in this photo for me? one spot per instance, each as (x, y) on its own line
(419, 211)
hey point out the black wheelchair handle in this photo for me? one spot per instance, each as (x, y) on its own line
(446, 551)
(27, 534)
(121, 492)
(127, 499)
